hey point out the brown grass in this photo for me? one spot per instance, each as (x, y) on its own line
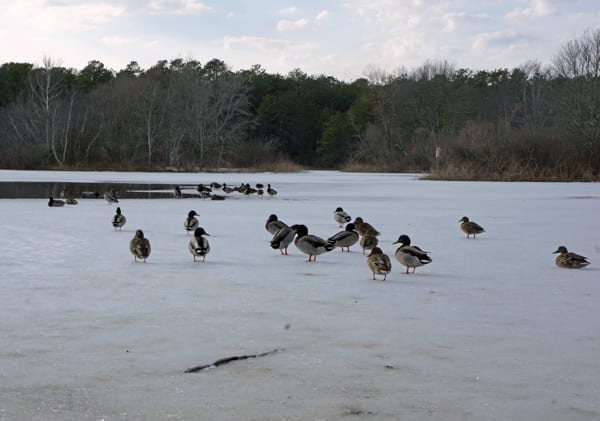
(513, 173)
(356, 167)
(277, 166)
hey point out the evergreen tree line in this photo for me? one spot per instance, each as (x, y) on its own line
(527, 123)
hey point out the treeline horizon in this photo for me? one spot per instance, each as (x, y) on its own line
(532, 122)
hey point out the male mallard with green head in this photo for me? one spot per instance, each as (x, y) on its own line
(470, 227)
(310, 244)
(198, 245)
(55, 203)
(191, 223)
(569, 260)
(379, 263)
(273, 224)
(345, 238)
(271, 191)
(139, 246)
(410, 256)
(177, 192)
(118, 220)
(341, 217)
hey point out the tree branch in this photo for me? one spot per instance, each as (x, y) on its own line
(230, 359)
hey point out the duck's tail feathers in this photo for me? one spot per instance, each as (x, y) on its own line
(425, 260)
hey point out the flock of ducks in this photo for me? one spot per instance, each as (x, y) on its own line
(204, 191)
(357, 231)
(210, 191)
(140, 248)
(354, 232)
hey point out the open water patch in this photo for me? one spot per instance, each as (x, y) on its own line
(38, 190)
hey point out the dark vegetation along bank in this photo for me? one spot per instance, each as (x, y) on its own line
(533, 122)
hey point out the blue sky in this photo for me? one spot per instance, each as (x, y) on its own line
(345, 39)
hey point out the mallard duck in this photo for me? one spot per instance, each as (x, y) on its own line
(227, 189)
(249, 190)
(198, 245)
(177, 192)
(271, 191)
(215, 185)
(345, 238)
(273, 224)
(341, 217)
(259, 185)
(368, 242)
(90, 195)
(191, 223)
(260, 192)
(111, 197)
(118, 220)
(310, 244)
(364, 228)
(410, 256)
(470, 227)
(569, 260)
(282, 239)
(203, 189)
(55, 203)
(71, 201)
(139, 246)
(379, 263)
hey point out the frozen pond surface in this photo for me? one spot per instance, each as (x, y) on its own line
(491, 330)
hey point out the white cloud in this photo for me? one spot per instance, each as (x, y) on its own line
(56, 29)
(279, 54)
(116, 40)
(452, 21)
(63, 16)
(179, 7)
(322, 15)
(384, 10)
(288, 11)
(537, 8)
(259, 43)
(292, 25)
(505, 39)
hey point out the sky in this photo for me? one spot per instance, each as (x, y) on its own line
(345, 39)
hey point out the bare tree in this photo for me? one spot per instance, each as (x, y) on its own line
(579, 57)
(44, 117)
(229, 111)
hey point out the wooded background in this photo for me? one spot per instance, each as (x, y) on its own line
(533, 122)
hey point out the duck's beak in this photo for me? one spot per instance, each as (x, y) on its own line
(555, 251)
